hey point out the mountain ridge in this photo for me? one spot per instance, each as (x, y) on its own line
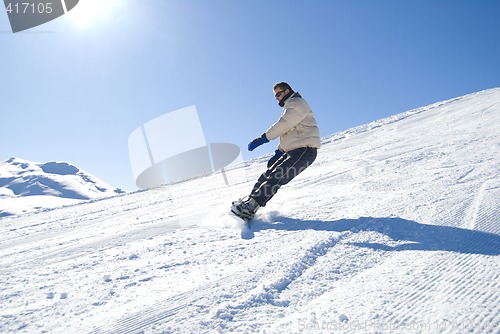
(62, 181)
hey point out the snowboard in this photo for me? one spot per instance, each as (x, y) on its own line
(245, 221)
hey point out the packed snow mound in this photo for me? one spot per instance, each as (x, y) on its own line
(64, 183)
(394, 229)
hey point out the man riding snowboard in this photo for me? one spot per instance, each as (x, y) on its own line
(297, 150)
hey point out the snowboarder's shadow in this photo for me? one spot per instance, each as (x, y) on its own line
(417, 236)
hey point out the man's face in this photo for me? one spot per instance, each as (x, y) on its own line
(278, 93)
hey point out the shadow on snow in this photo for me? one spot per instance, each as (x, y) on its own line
(420, 236)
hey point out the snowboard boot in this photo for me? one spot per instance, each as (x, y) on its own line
(245, 208)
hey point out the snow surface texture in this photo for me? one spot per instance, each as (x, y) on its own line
(27, 186)
(394, 229)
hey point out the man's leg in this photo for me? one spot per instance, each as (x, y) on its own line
(265, 176)
(288, 167)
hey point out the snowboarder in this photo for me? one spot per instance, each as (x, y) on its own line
(299, 142)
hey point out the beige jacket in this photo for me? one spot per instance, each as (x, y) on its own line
(296, 127)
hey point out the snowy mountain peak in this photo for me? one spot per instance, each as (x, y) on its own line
(62, 182)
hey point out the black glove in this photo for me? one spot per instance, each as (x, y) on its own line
(276, 156)
(257, 142)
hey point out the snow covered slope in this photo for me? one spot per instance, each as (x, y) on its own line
(26, 186)
(394, 229)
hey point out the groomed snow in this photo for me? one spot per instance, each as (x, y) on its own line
(394, 229)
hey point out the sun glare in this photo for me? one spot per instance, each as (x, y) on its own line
(90, 12)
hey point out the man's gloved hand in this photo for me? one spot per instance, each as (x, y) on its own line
(276, 156)
(257, 142)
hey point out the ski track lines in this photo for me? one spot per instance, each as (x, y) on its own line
(191, 303)
(484, 213)
(88, 225)
(183, 305)
(435, 282)
(270, 291)
(424, 297)
(444, 278)
(238, 294)
(80, 234)
(418, 300)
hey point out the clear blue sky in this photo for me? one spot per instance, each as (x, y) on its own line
(75, 88)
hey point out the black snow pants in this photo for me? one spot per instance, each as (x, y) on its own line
(288, 166)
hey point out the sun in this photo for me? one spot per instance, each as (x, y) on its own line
(90, 12)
